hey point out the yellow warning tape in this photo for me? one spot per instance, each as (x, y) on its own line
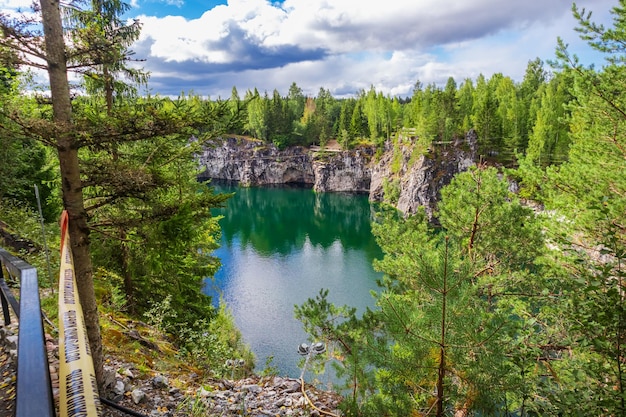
(78, 394)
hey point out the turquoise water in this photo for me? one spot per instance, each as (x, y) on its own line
(279, 247)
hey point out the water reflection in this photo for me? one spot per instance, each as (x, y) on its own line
(280, 246)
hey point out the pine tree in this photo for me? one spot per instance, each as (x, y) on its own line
(100, 49)
(549, 138)
(434, 343)
(587, 198)
(484, 115)
(465, 98)
(528, 93)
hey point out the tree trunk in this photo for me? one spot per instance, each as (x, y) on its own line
(129, 285)
(441, 371)
(70, 176)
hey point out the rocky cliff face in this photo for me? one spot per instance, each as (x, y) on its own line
(254, 163)
(416, 183)
(347, 171)
(419, 183)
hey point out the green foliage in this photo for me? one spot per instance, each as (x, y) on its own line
(280, 141)
(212, 344)
(159, 233)
(27, 161)
(269, 369)
(492, 221)
(193, 406)
(23, 223)
(454, 280)
(503, 112)
(435, 340)
(256, 123)
(549, 140)
(585, 196)
(100, 42)
(344, 139)
(398, 157)
(391, 190)
(161, 315)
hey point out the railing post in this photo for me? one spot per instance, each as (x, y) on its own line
(5, 304)
(5, 292)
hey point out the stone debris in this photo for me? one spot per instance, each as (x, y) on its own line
(157, 395)
(137, 395)
(270, 396)
(253, 396)
(7, 372)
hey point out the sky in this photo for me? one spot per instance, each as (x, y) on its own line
(207, 47)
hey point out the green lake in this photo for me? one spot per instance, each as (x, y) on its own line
(279, 247)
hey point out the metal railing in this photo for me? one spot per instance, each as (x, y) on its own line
(34, 390)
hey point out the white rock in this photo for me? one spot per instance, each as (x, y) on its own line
(203, 393)
(137, 396)
(160, 381)
(11, 342)
(119, 387)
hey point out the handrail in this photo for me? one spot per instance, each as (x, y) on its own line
(34, 390)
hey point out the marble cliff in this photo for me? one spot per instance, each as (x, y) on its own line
(416, 180)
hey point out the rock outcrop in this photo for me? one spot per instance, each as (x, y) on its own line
(416, 179)
(347, 171)
(254, 163)
(419, 182)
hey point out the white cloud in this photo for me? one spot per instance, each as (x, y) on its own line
(15, 8)
(15, 4)
(344, 45)
(339, 26)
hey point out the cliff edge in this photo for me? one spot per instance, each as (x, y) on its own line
(400, 175)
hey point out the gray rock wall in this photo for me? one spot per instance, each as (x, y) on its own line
(421, 182)
(254, 163)
(347, 171)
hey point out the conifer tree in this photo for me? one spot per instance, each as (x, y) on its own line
(465, 98)
(484, 115)
(131, 152)
(587, 194)
(434, 343)
(549, 139)
(529, 92)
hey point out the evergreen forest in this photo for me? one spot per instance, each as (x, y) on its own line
(512, 304)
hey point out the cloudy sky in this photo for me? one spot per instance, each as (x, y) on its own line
(207, 47)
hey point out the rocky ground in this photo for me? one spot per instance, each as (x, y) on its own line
(7, 376)
(155, 395)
